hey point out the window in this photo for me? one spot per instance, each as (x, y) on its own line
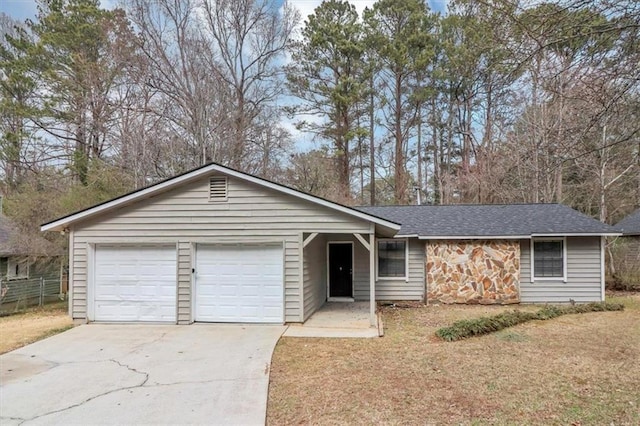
(392, 258)
(548, 259)
(17, 269)
(218, 188)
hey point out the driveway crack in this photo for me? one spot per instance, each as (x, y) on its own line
(197, 382)
(20, 419)
(144, 381)
(146, 375)
(139, 346)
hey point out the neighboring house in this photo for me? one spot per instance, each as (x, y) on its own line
(630, 229)
(218, 245)
(13, 264)
(23, 263)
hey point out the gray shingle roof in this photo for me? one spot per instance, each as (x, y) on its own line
(490, 220)
(630, 225)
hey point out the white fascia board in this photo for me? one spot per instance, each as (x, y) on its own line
(475, 237)
(514, 237)
(61, 224)
(406, 236)
(579, 234)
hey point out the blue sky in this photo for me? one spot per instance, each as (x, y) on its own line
(18, 9)
(23, 9)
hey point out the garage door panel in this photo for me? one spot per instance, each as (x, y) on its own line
(135, 283)
(239, 284)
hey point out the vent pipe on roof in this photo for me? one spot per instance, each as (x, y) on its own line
(417, 189)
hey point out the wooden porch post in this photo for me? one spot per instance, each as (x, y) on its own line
(372, 277)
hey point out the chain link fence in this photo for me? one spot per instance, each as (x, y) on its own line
(22, 293)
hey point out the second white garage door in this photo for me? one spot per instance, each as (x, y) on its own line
(242, 283)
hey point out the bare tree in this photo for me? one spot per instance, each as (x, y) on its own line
(247, 40)
(182, 87)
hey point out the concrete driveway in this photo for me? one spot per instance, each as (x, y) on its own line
(140, 374)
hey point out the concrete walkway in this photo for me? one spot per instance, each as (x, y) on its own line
(140, 374)
(337, 319)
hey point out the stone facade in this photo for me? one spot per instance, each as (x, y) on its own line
(485, 272)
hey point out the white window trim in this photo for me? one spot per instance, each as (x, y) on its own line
(406, 260)
(564, 260)
(11, 266)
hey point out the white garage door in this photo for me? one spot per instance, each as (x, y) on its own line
(134, 283)
(239, 284)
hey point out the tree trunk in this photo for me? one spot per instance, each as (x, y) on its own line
(419, 149)
(372, 146)
(343, 157)
(399, 161)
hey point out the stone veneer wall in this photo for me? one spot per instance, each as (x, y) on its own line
(473, 271)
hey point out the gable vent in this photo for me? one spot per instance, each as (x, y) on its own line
(218, 188)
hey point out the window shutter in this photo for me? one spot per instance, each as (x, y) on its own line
(218, 188)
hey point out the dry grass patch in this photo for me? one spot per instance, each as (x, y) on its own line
(35, 324)
(576, 368)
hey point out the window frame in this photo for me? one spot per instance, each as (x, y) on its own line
(406, 259)
(563, 277)
(12, 262)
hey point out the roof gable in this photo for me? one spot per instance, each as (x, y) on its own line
(199, 173)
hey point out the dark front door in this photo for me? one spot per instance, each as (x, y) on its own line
(340, 270)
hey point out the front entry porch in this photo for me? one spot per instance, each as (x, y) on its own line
(337, 268)
(338, 319)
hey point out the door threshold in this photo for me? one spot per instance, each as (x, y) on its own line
(340, 299)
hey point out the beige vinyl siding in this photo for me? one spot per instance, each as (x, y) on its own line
(184, 282)
(583, 274)
(411, 289)
(184, 216)
(79, 276)
(315, 275)
(385, 289)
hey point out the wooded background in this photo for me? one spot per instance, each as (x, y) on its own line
(494, 101)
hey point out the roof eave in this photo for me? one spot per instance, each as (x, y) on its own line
(517, 237)
(578, 234)
(473, 237)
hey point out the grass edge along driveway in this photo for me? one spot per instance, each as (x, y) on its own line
(34, 324)
(579, 369)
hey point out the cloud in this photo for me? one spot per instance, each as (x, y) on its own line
(306, 7)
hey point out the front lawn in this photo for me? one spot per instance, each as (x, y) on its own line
(575, 369)
(32, 325)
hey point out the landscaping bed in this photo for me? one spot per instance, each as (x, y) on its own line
(464, 329)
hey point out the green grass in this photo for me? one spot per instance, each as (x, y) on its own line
(484, 325)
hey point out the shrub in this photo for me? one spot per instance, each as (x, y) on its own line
(484, 325)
